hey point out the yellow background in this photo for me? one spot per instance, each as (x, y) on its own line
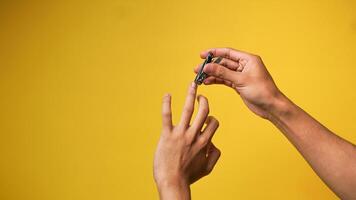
(81, 86)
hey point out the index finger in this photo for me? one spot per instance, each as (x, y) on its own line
(228, 53)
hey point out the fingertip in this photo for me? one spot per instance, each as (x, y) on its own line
(200, 97)
(167, 96)
(210, 118)
(195, 70)
(203, 54)
(213, 119)
(207, 82)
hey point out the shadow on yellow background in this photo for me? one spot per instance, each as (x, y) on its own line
(81, 86)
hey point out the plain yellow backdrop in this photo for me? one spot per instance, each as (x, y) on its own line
(81, 85)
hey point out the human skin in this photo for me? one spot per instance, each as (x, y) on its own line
(330, 156)
(184, 152)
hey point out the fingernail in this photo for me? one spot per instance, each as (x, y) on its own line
(193, 85)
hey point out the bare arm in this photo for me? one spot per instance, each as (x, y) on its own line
(331, 157)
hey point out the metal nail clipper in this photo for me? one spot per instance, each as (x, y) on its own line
(202, 75)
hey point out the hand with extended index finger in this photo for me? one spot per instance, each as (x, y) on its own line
(246, 74)
(185, 152)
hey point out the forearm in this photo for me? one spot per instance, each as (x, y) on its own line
(177, 190)
(331, 157)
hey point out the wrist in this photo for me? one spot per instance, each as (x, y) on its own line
(281, 107)
(171, 182)
(173, 188)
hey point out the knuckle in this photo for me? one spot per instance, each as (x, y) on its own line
(235, 64)
(257, 57)
(174, 137)
(179, 129)
(202, 141)
(225, 63)
(188, 109)
(212, 66)
(220, 72)
(189, 139)
(191, 91)
(166, 113)
(228, 50)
